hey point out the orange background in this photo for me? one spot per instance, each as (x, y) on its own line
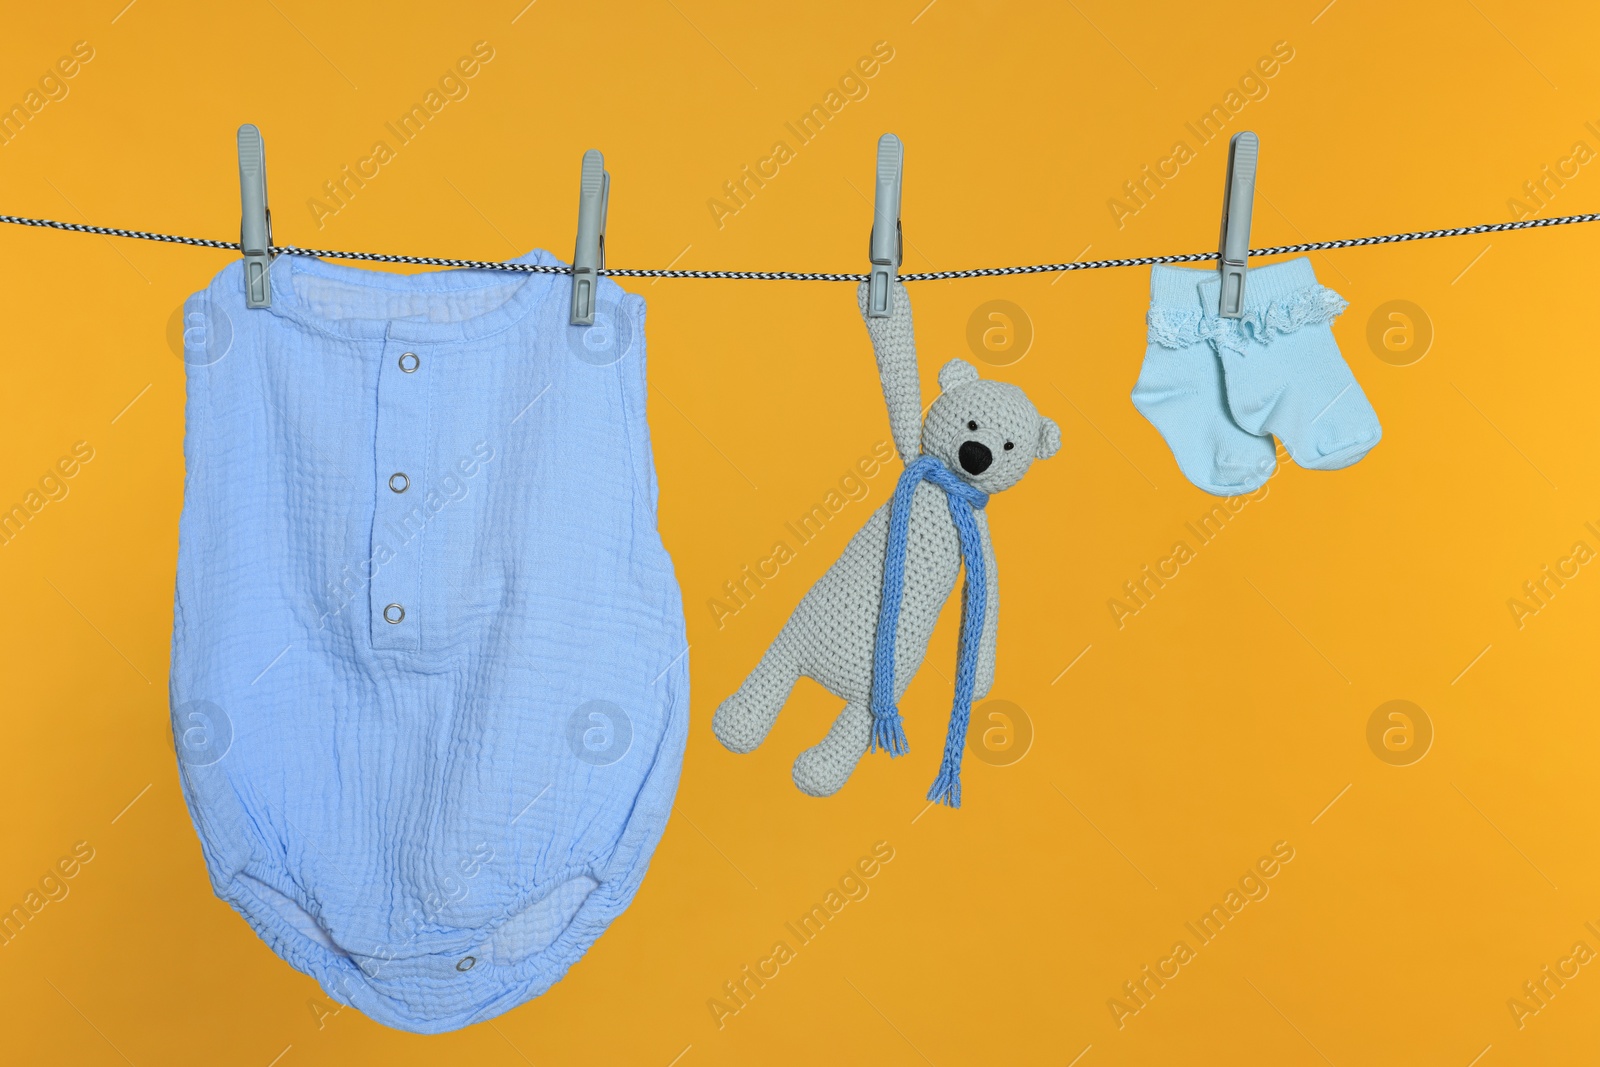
(1229, 714)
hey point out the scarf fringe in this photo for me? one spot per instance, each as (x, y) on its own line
(888, 733)
(947, 787)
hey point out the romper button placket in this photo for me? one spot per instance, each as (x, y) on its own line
(394, 614)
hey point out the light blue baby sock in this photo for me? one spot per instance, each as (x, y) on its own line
(1180, 390)
(1283, 369)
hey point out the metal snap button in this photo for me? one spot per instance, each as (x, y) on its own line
(399, 482)
(409, 362)
(466, 963)
(393, 613)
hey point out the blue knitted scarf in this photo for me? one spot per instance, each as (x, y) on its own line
(887, 731)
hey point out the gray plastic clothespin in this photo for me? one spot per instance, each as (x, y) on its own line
(255, 227)
(888, 242)
(1238, 198)
(589, 258)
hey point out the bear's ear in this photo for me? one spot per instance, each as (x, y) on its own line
(1049, 439)
(956, 372)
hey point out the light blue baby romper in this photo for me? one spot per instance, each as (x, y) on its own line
(429, 672)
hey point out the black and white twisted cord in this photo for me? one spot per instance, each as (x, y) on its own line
(810, 276)
(107, 231)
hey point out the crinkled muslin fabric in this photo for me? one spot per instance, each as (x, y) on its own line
(429, 673)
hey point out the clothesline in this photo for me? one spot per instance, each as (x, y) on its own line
(809, 276)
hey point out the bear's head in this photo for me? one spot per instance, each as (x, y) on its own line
(988, 433)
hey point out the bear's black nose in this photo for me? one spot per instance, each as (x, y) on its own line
(975, 457)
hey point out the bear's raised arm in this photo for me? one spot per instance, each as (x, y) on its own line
(896, 350)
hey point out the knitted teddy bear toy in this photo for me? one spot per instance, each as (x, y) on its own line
(863, 629)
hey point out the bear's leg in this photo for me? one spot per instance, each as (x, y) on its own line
(821, 770)
(742, 722)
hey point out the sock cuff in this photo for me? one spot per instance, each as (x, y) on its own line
(1197, 288)
(1177, 287)
(1264, 286)
(1279, 298)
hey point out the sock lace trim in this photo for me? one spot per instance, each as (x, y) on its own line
(1183, 327)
